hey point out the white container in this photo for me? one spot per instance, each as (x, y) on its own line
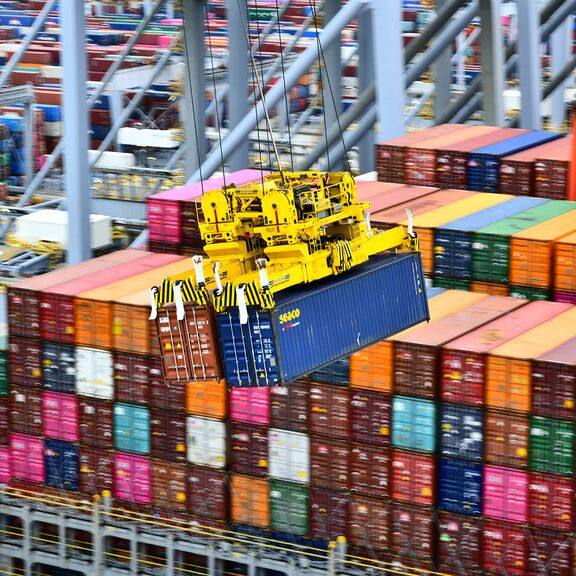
(289, 455)
(113, 160)
(206, 441)
(368, 177)
(94, 373)
(148, 138)
(54, 129)
(52, 226)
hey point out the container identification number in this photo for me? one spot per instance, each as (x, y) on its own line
(289, 316)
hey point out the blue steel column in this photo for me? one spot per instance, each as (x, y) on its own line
(366, 146)
(194, 85)
(332, 74)
(77, 176)
(389, 68)
(442, 75)
(492, 58)
(561, 47)
(529, 67)
(238, 78)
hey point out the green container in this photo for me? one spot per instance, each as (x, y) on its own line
(452, 284)
(529, 293)
(551, 446)
(3, 374)
(289, 507)
(491, 244)
(263, 14)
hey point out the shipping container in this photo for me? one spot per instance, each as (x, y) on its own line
(329, 410)
(384, 195)
(565, 264)
(94, 373)
(169, 486)
(251, 406)
(4, 385)
(329, 514)
(167, 435)
(131, 428)
(549, 552)
(453, 241)
(554, 382)
(370, 523)
(27, 458)
(60, 416)
(463, 368)
(551, 446)
(26, 410)
(413, 424)
(329, 463)
(62, 464)
(289, 406)
(289, 455)
(551, 171)
(5, 466)
(208, 492)
(96, 423)
(289, 504)
(207, 398)
(336, 373)
(551, 501)
(490, 288)
(504, 548)
(413, 478)
(4, 421)
(292, 349)
(505, 493)
(58, 367)
(491, 244)
(206, 441)
(24, 361)
(131, 378)
(370, 417)
(507, 438)
(370, 470)
(248, 449)
(250, 503)
(459, 543)
(96, 473)
(413, 533)
(460, 486)
(164, 394)
(461, 432)
(132, 478)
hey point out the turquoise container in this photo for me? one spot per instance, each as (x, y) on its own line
(132, 428)
(413, 424)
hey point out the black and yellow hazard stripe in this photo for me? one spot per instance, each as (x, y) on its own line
(253, 295)
(192, 293)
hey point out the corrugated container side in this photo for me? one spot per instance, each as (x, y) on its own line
(5, 466)
(4, 421)
(289, 406)
(62, 464)
(565, 264)
(4, 385)
(461, 432)
(26, 410)
(132, 478)
(94, 373)
(167, 435)
(413, 532)
(207, 398)
(505, 494)
(24, 362)
(27, 457)
(370, 470)
(61, 416)
(248, 449)
(413, 424)
(329, 410)
(370, 417)
(164, 394)
(413, 478)
(460, 486)
(551, 501)
(131, 428)
(58, 367)
(251, 406)
(504, 548)
(96, 423)
(329, 514)
(289, 455)
(370, 523)
(131, 378)
(507, 439)
(329, 463)
(96, 470)
(206, 442)
(169, 486)
(371, 368)
(489, 288)
(289, 504)
(551, 446)
(459, 543)
(549, 553)
(208, 492)
(336, 373)
(250, 502)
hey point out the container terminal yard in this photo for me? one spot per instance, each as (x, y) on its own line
(287, 287)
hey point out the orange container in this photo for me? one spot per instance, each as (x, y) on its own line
(93, 309)
(565, 264)
(250, 503)
(509, 367)
(372, 367)
(207, 398)
(532, 251)
(490, 288)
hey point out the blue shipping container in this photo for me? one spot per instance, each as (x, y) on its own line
(453, 241)
(62, 464)
(316, 324)
(484, 163)
(132, 428)
(337, 373)
(460, 487)
(461, 431)
(58, 367)
(413, 424)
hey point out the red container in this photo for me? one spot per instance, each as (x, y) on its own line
(463, 365)
(412, 532)
(550, 501)
(329, 514)
(249, 449)
(26, 410)
(459, 543)
(370, 470)
(329, 463)
(370, 523)
(370, 418)
(554, 382)
(507, 438)
(329, 410)
(96, 423)
(413, 478)
(208, 492)
(168, 435)
(169, 486)
(131, 377)
(551, 171)
(289, 406)
(4, 421)
(549, 553)
(163, 394)
(24, 362)
(505, 548)
(96, 470)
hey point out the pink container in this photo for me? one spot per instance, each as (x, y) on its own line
(569, 297)
(250, 405)
(132, 478)
(165, 41)
(5, 466)
(27, 456)
(505, 494)
(60, 416)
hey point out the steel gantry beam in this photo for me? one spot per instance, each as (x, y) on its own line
(443, 73)
(561, 49)
(366, 71)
